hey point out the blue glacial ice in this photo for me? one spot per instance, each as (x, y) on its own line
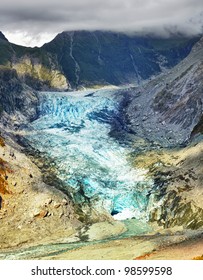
(73, 130)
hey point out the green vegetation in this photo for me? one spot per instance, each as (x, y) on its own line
(34, 53)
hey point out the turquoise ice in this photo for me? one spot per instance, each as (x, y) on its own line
(73, 130)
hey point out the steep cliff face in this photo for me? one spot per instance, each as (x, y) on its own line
(180, 101)
(18, 102)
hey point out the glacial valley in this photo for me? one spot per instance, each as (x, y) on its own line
(83, 170)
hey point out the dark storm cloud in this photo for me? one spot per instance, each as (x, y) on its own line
(54, 16)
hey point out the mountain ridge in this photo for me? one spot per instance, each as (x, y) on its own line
(79, 59)
(2, 37)
(115, 58)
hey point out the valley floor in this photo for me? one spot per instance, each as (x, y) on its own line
(129, 249)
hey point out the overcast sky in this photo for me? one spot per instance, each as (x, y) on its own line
(36, 22)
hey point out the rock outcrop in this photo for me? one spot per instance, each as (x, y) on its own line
(177, 196)
(31, 212)
(167, 109)
(18, 102)
(39, 76)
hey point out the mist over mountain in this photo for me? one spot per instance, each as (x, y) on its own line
(32, 21)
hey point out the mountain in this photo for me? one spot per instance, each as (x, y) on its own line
(34, 66)
(2, 37)
(168, 108)
(168, 112)
(99, 58)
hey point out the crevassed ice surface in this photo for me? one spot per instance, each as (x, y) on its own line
(73, 129)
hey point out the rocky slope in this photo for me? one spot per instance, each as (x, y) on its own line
(178, 191)
(31, 212)
(18, 102)
(167, 109)
(176, 197)
(168, 112)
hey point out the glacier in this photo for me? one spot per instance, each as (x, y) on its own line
(73, 129)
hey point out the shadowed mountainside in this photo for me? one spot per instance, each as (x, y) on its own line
(18, 102)
(97, 58)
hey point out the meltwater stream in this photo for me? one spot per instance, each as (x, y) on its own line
(74, 129)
